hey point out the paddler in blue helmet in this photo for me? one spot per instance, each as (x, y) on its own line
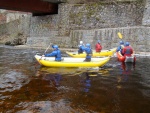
(120, 47)
(56, 53)
(88, 51)
(81, 47)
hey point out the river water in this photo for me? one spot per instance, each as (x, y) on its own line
(26, 87)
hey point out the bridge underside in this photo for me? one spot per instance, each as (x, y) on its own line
(36, 7)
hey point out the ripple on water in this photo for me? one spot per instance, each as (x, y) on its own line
(12, 81)
(26, 87)
(60, 106)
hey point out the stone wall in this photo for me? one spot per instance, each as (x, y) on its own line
(104, 1)
(43, 30)
(87, 22)
(15, 29)
(89, 16)
(14, 15)
(103, 15)
(139, 37)
(146, 17)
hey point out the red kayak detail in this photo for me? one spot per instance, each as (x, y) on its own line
(125, 59)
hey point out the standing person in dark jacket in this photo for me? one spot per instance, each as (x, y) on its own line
(56, 53)
(127, 50)
(98, 46)
(88, 51)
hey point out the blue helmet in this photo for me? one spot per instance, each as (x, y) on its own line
(98, 41)
(52, 46)
(127, 44)
(55, 46)
(121, 42)
(88, 45)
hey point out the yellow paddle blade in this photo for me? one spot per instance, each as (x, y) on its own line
(92, 74)
(120, 35)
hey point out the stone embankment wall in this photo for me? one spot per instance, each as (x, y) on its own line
(15, 29)
(139, 37)
(146, 15)
(90, 22)
(43, 31)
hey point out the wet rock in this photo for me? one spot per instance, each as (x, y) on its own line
(16, 41)
(8, 43)
(19, 39)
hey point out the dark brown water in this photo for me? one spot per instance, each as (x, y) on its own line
(25, 87)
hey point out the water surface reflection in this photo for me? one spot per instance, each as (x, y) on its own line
(26, 87)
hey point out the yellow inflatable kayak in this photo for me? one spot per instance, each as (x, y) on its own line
(71, 62)
(95, 54)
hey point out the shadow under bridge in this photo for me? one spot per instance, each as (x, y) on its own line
(36, 7)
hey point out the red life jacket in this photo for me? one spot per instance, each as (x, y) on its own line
(127, 51)
(98, 47)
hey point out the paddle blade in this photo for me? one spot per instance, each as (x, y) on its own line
(120, 35)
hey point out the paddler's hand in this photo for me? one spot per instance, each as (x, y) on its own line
(43, 55)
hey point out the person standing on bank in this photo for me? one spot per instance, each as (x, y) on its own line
(127, 50)
(88, 51)
(98, 46)
(56, 53)
(81, 47)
